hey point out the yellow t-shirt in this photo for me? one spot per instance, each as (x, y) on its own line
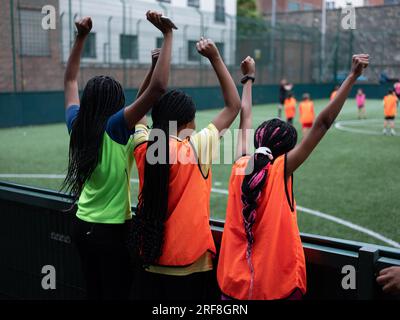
(206, 145)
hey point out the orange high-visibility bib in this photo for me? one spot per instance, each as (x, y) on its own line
(290, 107)
(277, 254)
(306, 112)
(390, 105)
(187, 228)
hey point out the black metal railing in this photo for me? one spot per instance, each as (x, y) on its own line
(36, 231)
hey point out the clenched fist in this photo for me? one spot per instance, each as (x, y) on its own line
(84, 26)
(248, 67)
(359, 63)
(155, 18)
(208, 49)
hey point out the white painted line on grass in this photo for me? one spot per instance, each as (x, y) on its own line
(343, 126)
(316, 213)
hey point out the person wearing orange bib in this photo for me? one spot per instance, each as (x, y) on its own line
(333, 93)
(290, 108)
(307, 113)
(261, 256)
(390, 111)
(171, 233)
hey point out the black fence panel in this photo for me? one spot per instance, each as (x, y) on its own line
(36, 232)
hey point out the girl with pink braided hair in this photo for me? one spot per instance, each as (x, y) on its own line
(261, 255)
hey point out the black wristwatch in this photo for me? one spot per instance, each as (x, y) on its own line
(247, 78)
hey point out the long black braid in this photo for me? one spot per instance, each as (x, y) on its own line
(102, 97)
(148, 230)
(280, 137)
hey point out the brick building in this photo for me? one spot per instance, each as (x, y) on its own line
(265, 6)
(33, 59)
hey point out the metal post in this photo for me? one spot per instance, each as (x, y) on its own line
(231, 42)
(185, 43)
(61, 36)
(13, 45)
(109, 38)
(201, 35)
(273, 14)
(70, 23)
(301, 55)
(336, 63)
(282, 53)
(272, 39)
(21, 60)
(367, 258)
(164, 7)
(323, 35)
(123, 34)
(351, 48)
(138, 34)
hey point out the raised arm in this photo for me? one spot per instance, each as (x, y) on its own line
(154, 57)
(248, 68)
(300, 153)
(159, 80)
(224, 119)
(71, 91)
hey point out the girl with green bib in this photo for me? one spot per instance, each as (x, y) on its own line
(100, 161)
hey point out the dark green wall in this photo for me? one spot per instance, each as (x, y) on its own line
(33, 108)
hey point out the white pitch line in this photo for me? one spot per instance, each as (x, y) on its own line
(341, 125)
(316, 213)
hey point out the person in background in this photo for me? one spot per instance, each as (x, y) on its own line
(396, 87)
(390, 111)
(389, 279)
(284, 89)
(307, 113)
(290, 107)
(360, 101)
(333, 93)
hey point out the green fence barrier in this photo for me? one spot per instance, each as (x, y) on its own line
(35, 108)
(36, 231)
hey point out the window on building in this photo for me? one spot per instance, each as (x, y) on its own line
(34, 40)
(220, 10)
(128, 47)
(167, 1)
(89, 50)
(221, 48)
(293, 6)
(330, 4)
(159, 42)
(308, 7)
(193, 3)
(193, 55)
(392, 2)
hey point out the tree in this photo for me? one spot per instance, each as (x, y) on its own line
(247, 8)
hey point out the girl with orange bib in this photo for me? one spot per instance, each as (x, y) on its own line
(390, 111)
(261, 255)
(290, 108)
(307, 113)
(171, 232)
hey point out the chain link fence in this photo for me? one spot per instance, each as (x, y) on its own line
(122, 39)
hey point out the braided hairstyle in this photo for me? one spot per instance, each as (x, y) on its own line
(280, 137)
(148, 230)
(102, 97)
